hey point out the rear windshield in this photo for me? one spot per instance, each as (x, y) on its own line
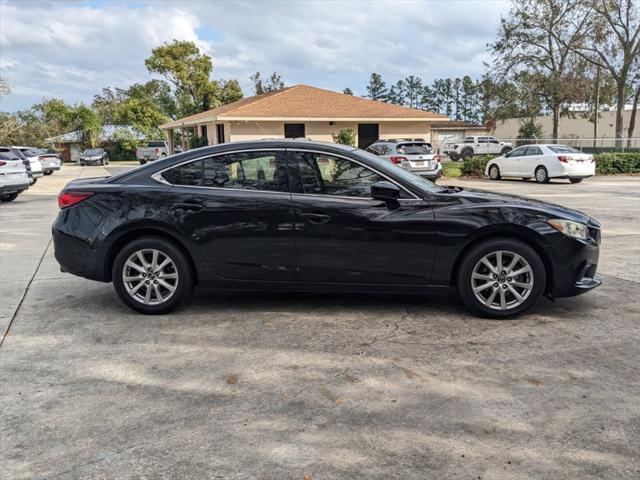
(156, 144)
(414, 149)
(563, 149)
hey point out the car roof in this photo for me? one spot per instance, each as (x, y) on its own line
(401, 140)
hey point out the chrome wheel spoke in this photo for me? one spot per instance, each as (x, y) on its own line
(480, 276)
(154, 259)
(133, 279)
(503, 299)
(135, 289)
(492, 297)
(158, 294)
(526, 269)
(130, 264)
(499, 261)
(489, 265)
(526, 286)
(517, 296)
(166, 276)
(516, 258)
(166, 285)
(482, 287)
(164, 263)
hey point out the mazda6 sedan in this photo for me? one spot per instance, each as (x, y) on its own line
(301, 215)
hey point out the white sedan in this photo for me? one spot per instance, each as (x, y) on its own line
(542, 162)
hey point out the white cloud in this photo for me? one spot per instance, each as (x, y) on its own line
(72, 50)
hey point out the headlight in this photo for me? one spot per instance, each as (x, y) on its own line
(570, 229)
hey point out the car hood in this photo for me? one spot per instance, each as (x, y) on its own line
(485, 198)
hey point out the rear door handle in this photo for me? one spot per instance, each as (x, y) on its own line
(316, 218)
(194, 207)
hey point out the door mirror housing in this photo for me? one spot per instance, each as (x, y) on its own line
(385, 191)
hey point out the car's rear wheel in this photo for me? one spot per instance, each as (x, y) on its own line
(575, 179)
(48, 172)
(494, 172)
(152, 275)
(33, 181)
(454, 157)
(142, 162)
(542, 176)
(9, 197)
(501, 278)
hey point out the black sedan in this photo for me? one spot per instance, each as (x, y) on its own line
(94, 156)
(301, 215)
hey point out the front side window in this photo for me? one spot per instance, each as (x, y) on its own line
(322, 174)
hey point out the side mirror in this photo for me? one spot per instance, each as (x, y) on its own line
(385, 191)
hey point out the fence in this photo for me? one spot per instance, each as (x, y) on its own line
(588, 145)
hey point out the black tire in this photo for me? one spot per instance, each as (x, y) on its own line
(142, 162)
(575, 179)
(185, 282)
(494, 172)
(505, 150)
(477, 252)
(542, 175)
(82, 164)
(467, 154)
(10, 197)
(48, 172)
(33, 182)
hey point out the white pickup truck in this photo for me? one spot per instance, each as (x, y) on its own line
(471, 146)
(153, 151)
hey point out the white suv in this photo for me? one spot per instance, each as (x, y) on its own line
(414, 155)
(13, 176)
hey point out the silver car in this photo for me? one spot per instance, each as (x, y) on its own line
(34, 161)
(415, 155)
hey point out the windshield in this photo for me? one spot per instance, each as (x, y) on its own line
(563, 149)
(414, 149)
(156, 144)
(93, 151)
(403, 175)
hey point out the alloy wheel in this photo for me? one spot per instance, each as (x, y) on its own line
(502, 280)
(150, 276)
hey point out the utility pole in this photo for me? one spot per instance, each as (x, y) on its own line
(596, 108)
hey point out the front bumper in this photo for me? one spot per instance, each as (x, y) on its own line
(574, 265)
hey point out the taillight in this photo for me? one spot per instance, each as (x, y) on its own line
(397, 160)
(67, 199)
(563, 158)
(2, 163)
(437, 158)
(157, 151)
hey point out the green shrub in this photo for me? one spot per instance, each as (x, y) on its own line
(474, 166)
(610, 163)
(197, 142)
(451, 169)
(346, 136)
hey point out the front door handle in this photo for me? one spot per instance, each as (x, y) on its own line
(194, 207)
(316, 218)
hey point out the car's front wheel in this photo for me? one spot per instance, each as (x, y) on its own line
(542, 176)
(501, 278)
(152, 275)
(494, 172)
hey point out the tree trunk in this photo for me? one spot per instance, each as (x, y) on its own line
(556, 122)
(619, 114)
(632, 120)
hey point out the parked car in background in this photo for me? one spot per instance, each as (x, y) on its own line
(414, 155)
(13, 176)
(34, 162)
(25, 161)
(304, 215)
(471, 146)
(153, 151)
(50, 161)
(543, 162)
(94, 156)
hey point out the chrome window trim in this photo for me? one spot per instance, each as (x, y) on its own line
(160, 179)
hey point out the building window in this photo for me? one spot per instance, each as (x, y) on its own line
(220, 132)
(294, 130)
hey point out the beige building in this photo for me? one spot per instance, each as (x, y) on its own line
(304, 111)
(578, 129)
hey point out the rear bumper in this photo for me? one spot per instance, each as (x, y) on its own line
(8, 188)
(77, 257)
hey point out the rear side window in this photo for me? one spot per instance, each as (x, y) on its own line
(414, 149)
(469, 140)
(245, 171)
(533, 151)
(189, 174)
(375, 149)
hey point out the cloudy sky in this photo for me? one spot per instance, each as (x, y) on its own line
(70, 50)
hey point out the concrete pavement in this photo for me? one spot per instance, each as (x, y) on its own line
(324, 387)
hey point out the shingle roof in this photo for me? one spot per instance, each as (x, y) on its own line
(106, 134)
(457, 124)
(305, 102)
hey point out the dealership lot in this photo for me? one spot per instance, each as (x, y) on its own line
(324, 386)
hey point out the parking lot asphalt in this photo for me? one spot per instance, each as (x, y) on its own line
(258, 386)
